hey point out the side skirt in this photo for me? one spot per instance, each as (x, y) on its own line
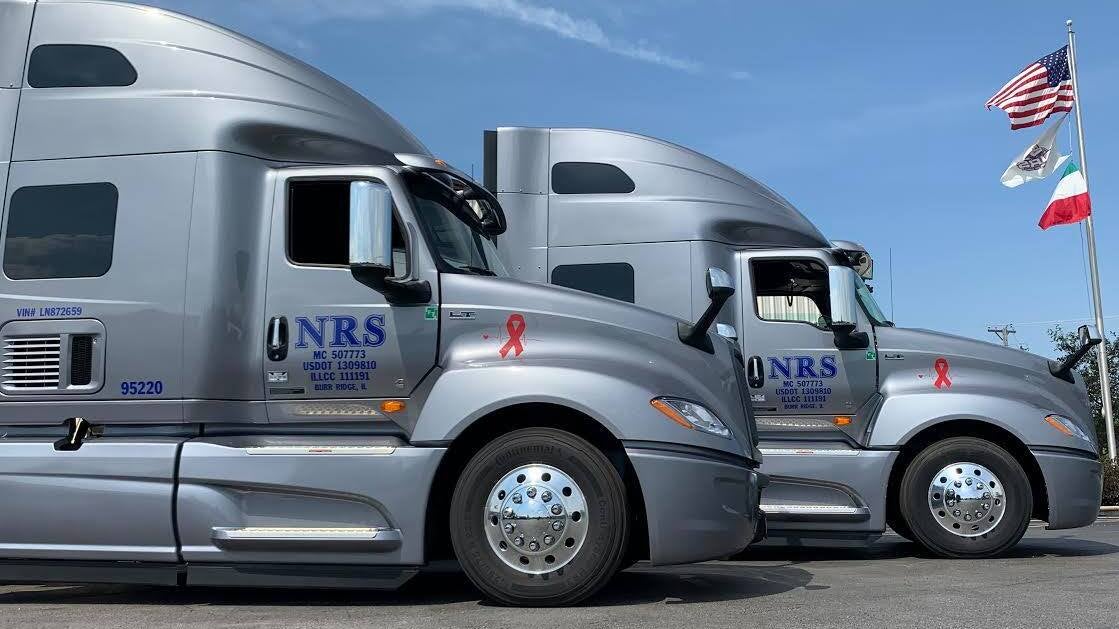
(29, 572)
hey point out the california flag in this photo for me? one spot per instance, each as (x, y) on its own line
(1038, 161)
(1070, 202)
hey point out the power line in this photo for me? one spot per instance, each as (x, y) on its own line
(1073, 320)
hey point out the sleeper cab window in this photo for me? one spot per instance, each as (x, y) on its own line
(60, 231)
(590, 178)
(612, 279)
(75, 65)
(319, 226)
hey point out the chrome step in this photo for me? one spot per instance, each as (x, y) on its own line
(808, 512)
(306, 538)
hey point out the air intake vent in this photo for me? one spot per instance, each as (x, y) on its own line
(81, 360)
(31, 362)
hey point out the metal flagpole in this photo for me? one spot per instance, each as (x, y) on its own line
(1097, 300)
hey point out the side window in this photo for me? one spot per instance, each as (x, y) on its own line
(614, 279)
(590, 178)
(792, 290)
(319, 226)
(72, 65)
(60, 231)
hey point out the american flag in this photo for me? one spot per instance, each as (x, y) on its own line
(1043, 88)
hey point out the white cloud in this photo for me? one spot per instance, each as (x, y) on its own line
(553, 20)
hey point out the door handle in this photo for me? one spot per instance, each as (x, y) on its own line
(754, 372)
(277, 340)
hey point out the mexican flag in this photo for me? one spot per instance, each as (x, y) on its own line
(1070, 202)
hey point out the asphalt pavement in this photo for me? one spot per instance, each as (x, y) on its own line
(1051, 579)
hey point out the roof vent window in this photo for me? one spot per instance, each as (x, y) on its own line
(74, 65)
(590, 178)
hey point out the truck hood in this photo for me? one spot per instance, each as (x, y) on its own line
(562, 326)
(962, 346)
(980, 367)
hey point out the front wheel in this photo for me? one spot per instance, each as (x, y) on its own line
(965, 498)
(539, 517)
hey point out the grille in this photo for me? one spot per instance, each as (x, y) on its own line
(31, 362)
(81, 360)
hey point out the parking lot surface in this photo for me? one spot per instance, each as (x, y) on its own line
(1051, 579)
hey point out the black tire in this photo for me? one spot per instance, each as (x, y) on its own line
(922, 523)
(900, 527)
(602, 550)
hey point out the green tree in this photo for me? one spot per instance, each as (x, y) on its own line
(1065, 343)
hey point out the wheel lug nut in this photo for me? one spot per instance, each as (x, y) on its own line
(968, 517)
(519, 540)
(548, 540)
(534, 545)
(986, 505)
(956, 513)
(508, 512)
(517, 499)
(556, 509)
(557, 525)
(509, 527)
(546, 496)
(986, 495)
(968, 481)
(957, 484)
(531, 492)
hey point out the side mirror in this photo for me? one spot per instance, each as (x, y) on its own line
(726, 330)
(844, 304)
(1088, 335)
(720, 288)
(371, 227)
(371, 260)
(719, 284)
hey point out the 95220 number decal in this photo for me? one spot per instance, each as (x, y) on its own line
(141, 387)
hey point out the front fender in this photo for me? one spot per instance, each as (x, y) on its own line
(460, 397)
(901, 417)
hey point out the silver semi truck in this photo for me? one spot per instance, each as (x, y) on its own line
(254, 334)
(953, 442)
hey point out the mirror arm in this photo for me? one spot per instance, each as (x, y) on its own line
(1063, 370)
(397, 291)
(696, 334)
(847, 338)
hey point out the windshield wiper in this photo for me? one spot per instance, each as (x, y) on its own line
(477, 270)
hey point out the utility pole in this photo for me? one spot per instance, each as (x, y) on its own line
(1003, 332)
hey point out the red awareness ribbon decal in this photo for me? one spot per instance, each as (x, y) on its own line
(942, 380)
(515, 325)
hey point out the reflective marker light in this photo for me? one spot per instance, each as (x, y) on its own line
(842, 420)
(392, 406)
(1068, 427)
(691, 416)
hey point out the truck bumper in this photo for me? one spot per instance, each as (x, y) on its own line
(1074, 485)
(697, 508)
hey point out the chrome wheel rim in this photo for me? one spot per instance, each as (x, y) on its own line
(536, 519)
(967, 499)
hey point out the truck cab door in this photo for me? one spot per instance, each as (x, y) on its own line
(807, 381)
(329, 337)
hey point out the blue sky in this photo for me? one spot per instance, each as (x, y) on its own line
(868, 116)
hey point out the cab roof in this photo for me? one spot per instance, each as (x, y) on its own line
(197, 87)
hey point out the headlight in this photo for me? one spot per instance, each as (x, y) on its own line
(691, 416)
(1067, 427)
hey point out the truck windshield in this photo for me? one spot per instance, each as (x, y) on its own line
(866, 298)
(458, 243)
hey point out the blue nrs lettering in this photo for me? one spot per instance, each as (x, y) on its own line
(342, 329)
(782, 368)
